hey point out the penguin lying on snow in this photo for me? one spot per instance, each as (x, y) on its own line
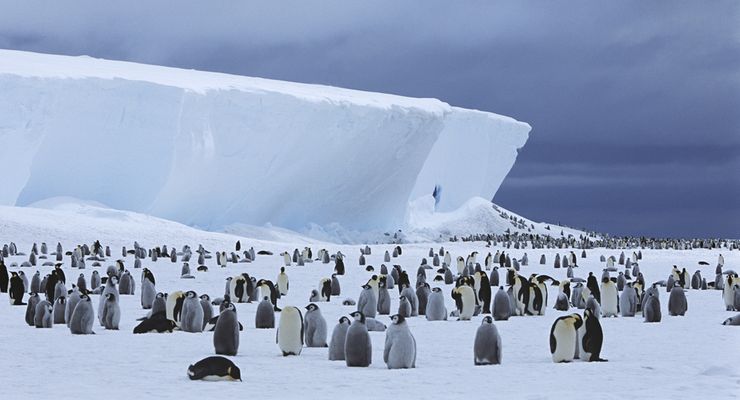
(214, 368)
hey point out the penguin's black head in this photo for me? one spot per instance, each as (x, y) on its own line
(487, 320)
(110, 296)
(235, 373)
(374, 278)
(344, 320)
(397, 319)
(205, 297)
(84, 297)
(358, 316)
(228, 279)
(191, 294)
(312, 307)
(230, 307)
(161, 295)
(402, 298)
(282, 269)
(435, 290)
(366, 287)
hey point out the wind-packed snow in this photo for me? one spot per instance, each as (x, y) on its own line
(680, 357)
(210, 150)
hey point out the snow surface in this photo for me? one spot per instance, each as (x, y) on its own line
(681, 357)
(210, 150)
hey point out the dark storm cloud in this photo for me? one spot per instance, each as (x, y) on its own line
(634, 105)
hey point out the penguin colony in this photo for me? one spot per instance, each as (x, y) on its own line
(494, 285)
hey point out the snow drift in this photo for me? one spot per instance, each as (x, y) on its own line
(211, 149)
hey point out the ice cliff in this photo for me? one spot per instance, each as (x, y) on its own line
(210, 149)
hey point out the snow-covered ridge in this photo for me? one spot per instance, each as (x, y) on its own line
(210, 149)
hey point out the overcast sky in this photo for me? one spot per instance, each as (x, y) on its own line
(635, 106)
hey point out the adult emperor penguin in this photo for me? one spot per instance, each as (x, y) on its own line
(484, 291)
(728, 290)
(3, 277)
(192, 313)
(267, 288)
(609, 298)
(520, 288)
(111, 315)
(593, 337)
(465, 301)
(283, 282)
(289, 335)
(237, 286)
(314, 327)
(81, 322)
(501, 305)
(400, 345)
(677, 303)
(487, 345)
(265, 316)
(367, 303)
(593, 286)
(325, 289)
(173, 308)
(384, 298)
(436, 310)
(338, 337)
(564, 337)
(214, 368)
(226, 332)
(358, 349)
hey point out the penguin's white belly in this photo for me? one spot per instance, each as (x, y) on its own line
(565, 337)
(289, 336)
(609, 298)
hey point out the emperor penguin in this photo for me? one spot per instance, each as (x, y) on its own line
(412, 298)
(111, 315)
(82, 283)
(173, 308)
(677, 303)
(501, 305)
(465, 301)
(205, 304)
(214, 368)
(487, 344)
(81, 322)
(593, 337)
(73, 297)
(338, 337)
(404, 306)
(564, 337)
(148, 293)
(336, 288)
(283, 282)
(238, 289)
(422, 295)
(325, 289)
(110, 287)
(384, 298)
(628, 301)
(226, 332)
(732, 321)
(289, 335)
(267, 288)
(609, 298)
(127, 284)
(367, 303)
(314, 327)
(59, 309)
(651, 307)
(265, 316)
(43, 316)
(36, 283)
(436, 310)
(33, 300)
(192, 313)
(484, 291)
(494, 278)
(358, 349)
(400, 345)
(3, 277)
(728, 291)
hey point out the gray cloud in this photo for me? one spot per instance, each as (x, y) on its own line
(636, 97)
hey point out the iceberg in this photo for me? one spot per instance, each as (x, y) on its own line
(210, 150)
